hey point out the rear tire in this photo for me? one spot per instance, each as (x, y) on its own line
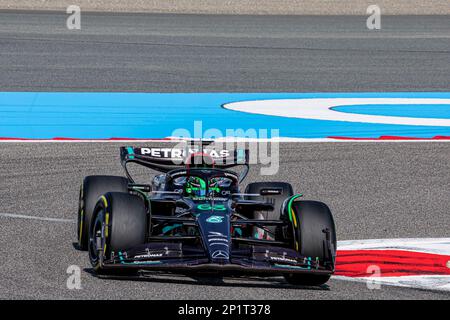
(119, 223)
(90, 191)
(312, 219)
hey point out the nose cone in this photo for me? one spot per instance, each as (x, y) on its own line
(215, 230)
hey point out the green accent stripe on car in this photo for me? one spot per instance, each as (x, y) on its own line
(290, 205)
(291, 267)
(130, 151)
(170, 228)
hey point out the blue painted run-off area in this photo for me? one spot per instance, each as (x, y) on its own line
(441, 111)
(148, 115)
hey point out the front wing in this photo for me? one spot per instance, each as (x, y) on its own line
(180, 258)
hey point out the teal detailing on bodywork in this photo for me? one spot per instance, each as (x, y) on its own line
(295, 267)
(240, 156)
(130, 153)
(170, 228)
(286, 266)
(207, 207)
(215, 219)
(219, 207)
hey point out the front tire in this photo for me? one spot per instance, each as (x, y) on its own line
(119, 223)
(90, 191)
(312, 223)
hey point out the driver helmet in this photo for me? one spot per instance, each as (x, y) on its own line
(195, 187)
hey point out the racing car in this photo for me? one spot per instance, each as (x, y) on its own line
(192, 217)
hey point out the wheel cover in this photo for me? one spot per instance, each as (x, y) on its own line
(97, 237)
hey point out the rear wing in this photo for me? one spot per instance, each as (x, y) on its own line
(165, 159)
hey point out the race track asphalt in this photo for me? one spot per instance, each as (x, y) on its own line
(196, 53)
(383, 190)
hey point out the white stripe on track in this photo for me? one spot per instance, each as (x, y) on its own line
(425, 282)
(22, 216)
(321, 109)
(428, 245)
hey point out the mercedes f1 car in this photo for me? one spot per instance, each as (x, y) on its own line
(192, 217)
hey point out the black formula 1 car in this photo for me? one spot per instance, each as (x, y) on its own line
(193, 218)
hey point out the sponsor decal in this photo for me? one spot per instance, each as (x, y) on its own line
(143, 262)
(177, 153)
(283, 259)
(218, 239)
(271, 191)
(148, 254)
(220, 254)
(216, 234)
(151, 255)
(278, 258)
(207, 198)
(215, 219)
(218, 244)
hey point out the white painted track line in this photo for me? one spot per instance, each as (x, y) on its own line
(321, 109)
(22, 216)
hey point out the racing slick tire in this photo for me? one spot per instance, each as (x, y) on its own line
(315, 237)
(119, 222)
(275, 192)
(90, 191)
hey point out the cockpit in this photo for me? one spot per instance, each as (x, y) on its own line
(199, 187)
(198, 183)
